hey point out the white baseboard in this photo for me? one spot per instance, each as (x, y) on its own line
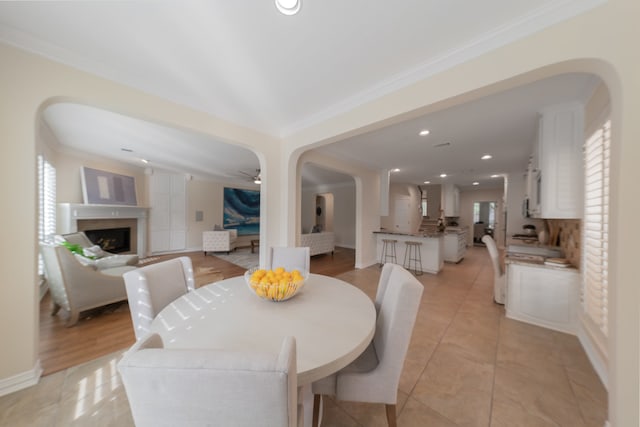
(342, 245)
(598, 363)
(20, 381)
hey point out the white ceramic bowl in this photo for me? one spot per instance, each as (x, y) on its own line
(275, 291)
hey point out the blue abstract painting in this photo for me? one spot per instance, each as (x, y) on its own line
(242, 210)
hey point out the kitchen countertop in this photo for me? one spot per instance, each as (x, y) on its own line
(536, 261)
(396, 233)
(456, 230)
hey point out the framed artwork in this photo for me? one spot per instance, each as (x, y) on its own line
(107, 188)
(242, 210)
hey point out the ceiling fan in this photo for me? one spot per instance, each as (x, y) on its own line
(254, 177)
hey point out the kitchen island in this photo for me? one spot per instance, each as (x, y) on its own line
(432, 248)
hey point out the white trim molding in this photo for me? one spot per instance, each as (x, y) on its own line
(519, 28)
(21, 381)
(596, 357)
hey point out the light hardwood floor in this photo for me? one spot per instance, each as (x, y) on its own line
(467, 364)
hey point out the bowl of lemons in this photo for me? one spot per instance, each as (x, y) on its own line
(277, 284)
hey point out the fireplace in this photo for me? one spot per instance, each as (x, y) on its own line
(116, 240)
(87, 218)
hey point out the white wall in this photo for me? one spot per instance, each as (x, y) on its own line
(515, 197)
(344, 211)
(398, 191)
(467, 199)
(434, 201)
(598, 41)
(202, 195)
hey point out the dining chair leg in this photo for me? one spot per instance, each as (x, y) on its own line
(391, 415)
(316, 410)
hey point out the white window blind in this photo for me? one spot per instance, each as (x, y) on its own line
(596, 227)
(47, 203)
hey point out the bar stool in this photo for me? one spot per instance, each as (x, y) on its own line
(388, 251)
(413, 256)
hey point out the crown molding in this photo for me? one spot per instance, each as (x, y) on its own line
(531, 23)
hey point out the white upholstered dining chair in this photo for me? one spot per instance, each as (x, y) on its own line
(499, 278)
(374, 376)
(153, 287)
(290, 258)
(180, 387)
(382, 284)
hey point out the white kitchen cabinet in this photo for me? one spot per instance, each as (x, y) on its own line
(556, 186)
(543, 296)
(455, 245)
(450, 200)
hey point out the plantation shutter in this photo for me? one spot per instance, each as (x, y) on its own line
(596, 226)
(47, 204)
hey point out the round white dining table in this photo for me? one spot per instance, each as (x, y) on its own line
(333, 322)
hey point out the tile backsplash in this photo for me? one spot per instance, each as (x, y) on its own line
(569, 238)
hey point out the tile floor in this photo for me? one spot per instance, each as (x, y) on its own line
(467, 365)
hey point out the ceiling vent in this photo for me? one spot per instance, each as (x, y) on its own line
(444, 144)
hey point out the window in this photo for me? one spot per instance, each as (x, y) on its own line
(47, 204)
(424, 203)
(596, 230)
(484, 213)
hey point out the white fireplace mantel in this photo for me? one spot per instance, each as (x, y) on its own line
(70, 213)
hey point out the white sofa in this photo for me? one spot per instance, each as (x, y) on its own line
(219, 240)
(318, 243)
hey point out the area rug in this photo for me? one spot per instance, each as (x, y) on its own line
(241, 257)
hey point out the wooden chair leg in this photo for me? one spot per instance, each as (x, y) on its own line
(391, 415)
(316, 410)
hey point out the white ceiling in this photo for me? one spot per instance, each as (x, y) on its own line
(246, 63)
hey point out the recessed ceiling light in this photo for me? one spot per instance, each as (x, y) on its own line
(288, 7)
(476, 183)
(486, 157)
(495, 176)
(443, 175)
(424, 132)
(395, 170)
(145, 161)
(427, 182)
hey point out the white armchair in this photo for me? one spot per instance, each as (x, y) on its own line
(219, 240)
(76, 287)
(101, 259)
